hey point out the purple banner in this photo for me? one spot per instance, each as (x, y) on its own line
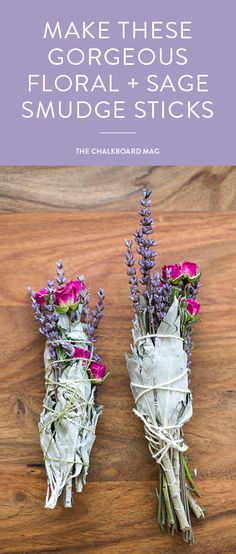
(98, 83)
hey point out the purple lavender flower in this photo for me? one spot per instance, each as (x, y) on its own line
(86, 308)
(97, 313)
(144, 242)
(131, 272)
(48, 319)
(38, 312)
(156, 297)
(61, 279)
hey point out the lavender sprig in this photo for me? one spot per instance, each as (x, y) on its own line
(61, 279)
(144, 242)
(86, 308)
(131, 272)
(47, 317)
(38, 312)
(98, 312)
(157, 299)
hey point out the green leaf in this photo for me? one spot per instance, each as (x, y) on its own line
(195, 278)
(177, 280)
(189, 478)
(63, 322)
(98, 381)
(74, 306)
(61, 309)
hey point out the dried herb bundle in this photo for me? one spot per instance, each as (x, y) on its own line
(165, 309)
(72, 370)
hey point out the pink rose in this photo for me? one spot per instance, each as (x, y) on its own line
(171, 272)
(41, 296)
(68, 296)
(82, 353)
(98, 370)
(192, 306)
(189, 269)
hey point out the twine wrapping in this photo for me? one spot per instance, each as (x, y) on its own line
(67, 428)
(159, 382)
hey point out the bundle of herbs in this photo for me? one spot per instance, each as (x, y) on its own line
(73, 370)
(166, 309)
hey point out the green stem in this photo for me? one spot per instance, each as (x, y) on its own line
(187, 535)
(160, 502)
(169, 512)
(69, 319)
(189, 478)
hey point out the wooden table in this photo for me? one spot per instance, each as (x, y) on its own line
(115, 514)
(176, 188)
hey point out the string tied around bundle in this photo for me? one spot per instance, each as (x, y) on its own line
(157, 434)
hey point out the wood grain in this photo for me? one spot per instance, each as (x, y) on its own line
(115, 514)
(101, 187)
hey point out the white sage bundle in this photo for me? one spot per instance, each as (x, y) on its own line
(158, 367)
(70, 413)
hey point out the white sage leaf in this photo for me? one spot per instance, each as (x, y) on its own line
(158, 372)
(67, 429)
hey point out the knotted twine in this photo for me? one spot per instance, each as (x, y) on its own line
(154, 433)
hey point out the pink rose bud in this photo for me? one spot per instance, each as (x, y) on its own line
(81, 353)
(192, 306)
(171, 272)
(189, 269)
(98, 370)
(68, 296)
(41, 296)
